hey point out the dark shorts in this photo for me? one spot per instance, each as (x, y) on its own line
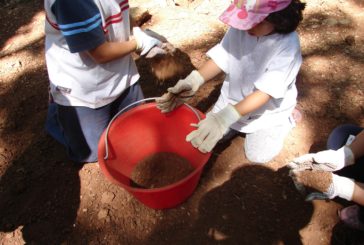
(79, 128)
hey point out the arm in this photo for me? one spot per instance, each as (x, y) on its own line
(357, 146)
(252, 102)
(187, 87)
(215, 125)
(109, 51)
(343, 187)
(209, 70)
(331, 160)
(358, 195)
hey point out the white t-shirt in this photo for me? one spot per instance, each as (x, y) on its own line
(74, 27)
(269, 64)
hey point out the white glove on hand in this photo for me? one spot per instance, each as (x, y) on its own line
(329, 160)
(144, 41)
(212, 128)
(180, 93)
(338, 186)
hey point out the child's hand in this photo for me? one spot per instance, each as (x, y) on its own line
(326, 184)
(329, 160)
(212, 128)
(144, 41)
(180, 93)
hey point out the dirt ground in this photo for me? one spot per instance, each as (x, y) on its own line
(46, 199)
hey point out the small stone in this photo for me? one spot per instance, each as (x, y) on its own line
(345, 22)
(103, 213)
(331, 22)
(350, 40)
(107, 197)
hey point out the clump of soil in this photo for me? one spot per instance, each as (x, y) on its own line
(160, 169)
(318, 180)
(166, 67)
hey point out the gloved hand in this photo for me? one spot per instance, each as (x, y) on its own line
(329, 160)
(144, 41)
(180, 93)
(327, 184)
(212, 128)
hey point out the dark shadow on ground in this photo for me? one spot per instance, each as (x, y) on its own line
(343, 235)
(25, 102)
(16, 15)
(39, 187)
(40, 194)
(255, 206)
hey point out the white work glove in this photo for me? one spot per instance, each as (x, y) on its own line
(180, 93)
(329, 160)
(213, 128)
(339, 186)
(144, 41)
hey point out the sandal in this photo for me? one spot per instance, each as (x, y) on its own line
(350, 217)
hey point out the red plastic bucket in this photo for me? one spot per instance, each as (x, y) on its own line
(142, 131)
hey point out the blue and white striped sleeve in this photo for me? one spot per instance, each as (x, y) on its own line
(80, 24)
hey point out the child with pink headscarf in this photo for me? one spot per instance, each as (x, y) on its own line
(260, 56)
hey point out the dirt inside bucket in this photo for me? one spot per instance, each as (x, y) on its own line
(159, 170)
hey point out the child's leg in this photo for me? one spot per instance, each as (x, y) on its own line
(133, 94)
(52, 126)
(336, 140)
(82, 127)
(339, 135)
(263, 145)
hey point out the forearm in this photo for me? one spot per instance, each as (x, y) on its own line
(209, 70)
(252, 102)
(109, 51)
(358, 195)
(357, 147)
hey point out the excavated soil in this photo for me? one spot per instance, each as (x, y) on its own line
(159, 170)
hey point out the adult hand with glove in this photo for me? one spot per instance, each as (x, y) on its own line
(180, 93)
(144, 41)
(213, 128)
(328, 160)
(326, 184)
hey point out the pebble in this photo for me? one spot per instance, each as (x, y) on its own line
(103, 213)
(331, 22)
(107, 197)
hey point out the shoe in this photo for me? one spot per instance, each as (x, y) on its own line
(350, 217)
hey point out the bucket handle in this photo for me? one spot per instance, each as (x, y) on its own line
(127, 107)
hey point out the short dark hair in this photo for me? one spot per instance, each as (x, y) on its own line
(287, 19)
